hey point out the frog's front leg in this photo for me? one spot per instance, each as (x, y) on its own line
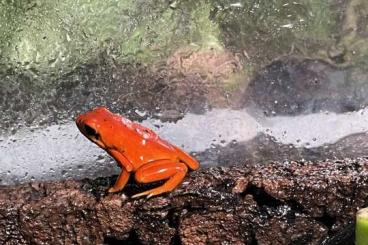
(174, 172)
(121, 159)
(120, 182)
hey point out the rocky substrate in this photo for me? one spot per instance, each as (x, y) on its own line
(273, 203)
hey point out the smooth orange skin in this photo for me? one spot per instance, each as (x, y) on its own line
(137, 149)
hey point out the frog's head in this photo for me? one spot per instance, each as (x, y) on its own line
(97, 125)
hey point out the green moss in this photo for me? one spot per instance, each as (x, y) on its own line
(355, 31)
(151, 38)
(204, 31)
(320, 21)
(58, 35)
(11, 17)
(159, 34)
(55, 36)
(361, 228)
(275, 27)
(44, 37)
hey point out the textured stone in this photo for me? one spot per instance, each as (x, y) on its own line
(277, 203)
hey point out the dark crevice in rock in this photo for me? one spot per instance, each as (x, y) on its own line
(174, 222)
(344, 237)
(253, 239)
(225, 185)
(261, 197)
(97, 187)
(176, 240)
(295, 206)
(132, 239)
(327, 220)
(305, 239)
(173, 218)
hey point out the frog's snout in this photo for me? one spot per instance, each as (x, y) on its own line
(87, 129)
(79, 121)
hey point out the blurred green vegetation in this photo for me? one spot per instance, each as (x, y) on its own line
(269, 29)
(54, 37)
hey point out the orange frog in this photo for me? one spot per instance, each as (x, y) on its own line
(137, 149)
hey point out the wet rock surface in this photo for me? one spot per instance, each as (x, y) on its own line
(274, 203)
(293, 86)
(264, 148)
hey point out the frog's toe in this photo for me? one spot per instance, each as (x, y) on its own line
(113, 190)
(140, 194)
(151, 193)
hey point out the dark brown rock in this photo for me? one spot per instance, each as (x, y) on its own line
(300, 230)
(315, 85)
(277, 203)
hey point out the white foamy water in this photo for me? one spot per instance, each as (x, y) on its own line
(61, 151)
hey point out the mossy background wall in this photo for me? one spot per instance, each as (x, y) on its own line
(55, 37)
(60, 35)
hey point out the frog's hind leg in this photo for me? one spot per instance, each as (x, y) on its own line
(192, 163)
(174, 172)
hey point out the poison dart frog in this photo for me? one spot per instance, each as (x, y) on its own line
(137, 149)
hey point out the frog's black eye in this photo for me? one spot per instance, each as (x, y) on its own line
(91, 132)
